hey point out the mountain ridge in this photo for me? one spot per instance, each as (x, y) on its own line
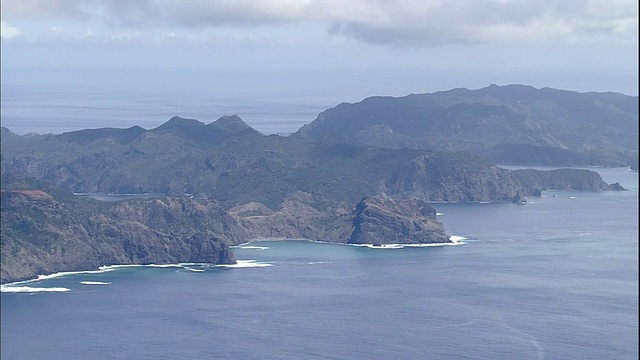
(592, 128)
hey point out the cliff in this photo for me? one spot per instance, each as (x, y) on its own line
(381, 219)
(377, 219)
(562, 179)
(454, 177)
(42, 234)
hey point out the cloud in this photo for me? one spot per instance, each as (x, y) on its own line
(482, 21)
(7, 31)
(386, 22)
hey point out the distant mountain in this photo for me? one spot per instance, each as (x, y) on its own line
(233, 124)
(122, 136)
(507, 124)
(230, 162)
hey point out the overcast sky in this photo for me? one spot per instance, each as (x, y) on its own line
(342, 50)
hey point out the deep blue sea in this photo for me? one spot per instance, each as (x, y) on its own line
(556, 278)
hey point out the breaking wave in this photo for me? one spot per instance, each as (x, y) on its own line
(253, 247)
(66, 273)
(245, 264)
(455, 240)
(30, 289)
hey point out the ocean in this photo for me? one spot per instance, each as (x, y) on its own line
(556, 278)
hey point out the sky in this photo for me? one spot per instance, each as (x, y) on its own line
(321, 51)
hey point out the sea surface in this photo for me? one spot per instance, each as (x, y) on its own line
(556, 278)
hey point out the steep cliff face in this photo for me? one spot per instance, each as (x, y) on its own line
(562, 179)
(382, 220)
(184, 217)
(377, 219)
(299, 216)
(454, 177)
(42, 234)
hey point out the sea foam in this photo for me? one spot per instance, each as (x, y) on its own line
(94, 283)
(101, 270)
(178, 265)
(381, 246)
(253, 247)
(30, 289)
(58, 274)
(67, 273)
(245, 264)
(455, 240)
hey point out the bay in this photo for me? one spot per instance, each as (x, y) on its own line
(556, 278)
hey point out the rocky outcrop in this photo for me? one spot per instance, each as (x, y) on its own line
(382, 220)
(617, 187)
(299, 216)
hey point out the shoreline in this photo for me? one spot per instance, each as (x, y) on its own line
(454, 240)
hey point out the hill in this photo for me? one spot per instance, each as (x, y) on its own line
(512, 124)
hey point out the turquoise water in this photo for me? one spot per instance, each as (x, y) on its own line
(556, 278)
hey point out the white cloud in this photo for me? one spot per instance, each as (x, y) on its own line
(7, 31)
(389, 22)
